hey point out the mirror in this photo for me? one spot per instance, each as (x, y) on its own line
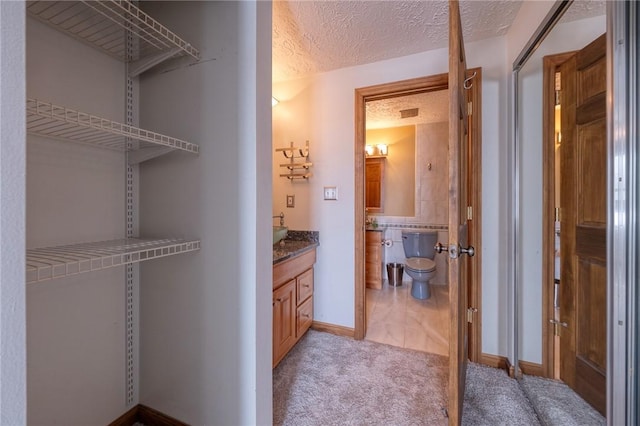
(406, 142)
(539, 290)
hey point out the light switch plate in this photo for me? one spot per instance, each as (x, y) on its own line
(291, 200)
(330, 193)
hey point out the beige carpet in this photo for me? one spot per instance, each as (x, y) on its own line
(557, 404)
(331, 380)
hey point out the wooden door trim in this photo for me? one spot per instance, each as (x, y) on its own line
(550, 65)
(402, 88)
(362, 95)
(475, 227)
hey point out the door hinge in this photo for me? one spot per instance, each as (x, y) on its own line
(470, 312)
(556, 326)
(469, 212)
(469, 108)
(556, 214)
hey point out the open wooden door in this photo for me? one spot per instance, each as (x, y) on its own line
(458, 231)
(583, 242)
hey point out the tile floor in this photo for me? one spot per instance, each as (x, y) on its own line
(394, 317)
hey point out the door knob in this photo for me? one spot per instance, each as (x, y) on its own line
(455, 250)
(469, 251)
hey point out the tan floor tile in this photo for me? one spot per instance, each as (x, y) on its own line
(424, 319)
(388, 333)
(389, 313)
(395, 318)
(418, 340)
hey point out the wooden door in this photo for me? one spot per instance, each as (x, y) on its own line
(458, 182)
(583, 248)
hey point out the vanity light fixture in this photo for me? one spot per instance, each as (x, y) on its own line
(379, 150)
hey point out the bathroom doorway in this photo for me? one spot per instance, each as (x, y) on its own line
(393, 315)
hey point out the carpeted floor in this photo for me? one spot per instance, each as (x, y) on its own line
(557, 404)
(332, 380)
(493, 398)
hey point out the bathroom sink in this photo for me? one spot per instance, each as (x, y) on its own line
(279, 232)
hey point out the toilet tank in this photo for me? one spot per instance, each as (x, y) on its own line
(419, 243)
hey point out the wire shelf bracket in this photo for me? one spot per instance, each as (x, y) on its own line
(54, 121)
(104, 24)
(56, 262)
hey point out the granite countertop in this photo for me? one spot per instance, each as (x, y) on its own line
(371, 228)
(296, 242)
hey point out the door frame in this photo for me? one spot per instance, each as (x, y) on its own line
(550, 65)
(402, 88)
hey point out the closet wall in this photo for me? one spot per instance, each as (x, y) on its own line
(204, 317)
(75, 194)
(206, 324)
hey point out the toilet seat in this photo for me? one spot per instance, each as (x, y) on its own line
(421, 264)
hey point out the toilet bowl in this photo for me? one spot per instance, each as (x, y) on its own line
(420, 264)
(421, 270)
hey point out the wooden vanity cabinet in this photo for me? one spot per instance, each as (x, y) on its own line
(373, 259)
(292, 302)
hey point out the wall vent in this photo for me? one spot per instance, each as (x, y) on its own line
(408, 113)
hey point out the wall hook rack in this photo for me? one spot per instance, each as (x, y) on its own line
(297, 169)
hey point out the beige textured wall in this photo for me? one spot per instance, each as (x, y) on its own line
(432, 206)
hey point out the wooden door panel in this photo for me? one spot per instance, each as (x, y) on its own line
(592, 81)
(589, 385)
(589, 243)
(592, 164)
(592, 294)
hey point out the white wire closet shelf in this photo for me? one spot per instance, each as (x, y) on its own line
(58, 122)
(57, 262)
(105, 24)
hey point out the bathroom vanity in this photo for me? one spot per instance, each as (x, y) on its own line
(373, 258)
(293, 261)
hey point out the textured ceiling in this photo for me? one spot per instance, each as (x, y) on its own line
(433, 107)
(311, 37)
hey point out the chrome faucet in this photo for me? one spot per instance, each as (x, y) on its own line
(281, 216)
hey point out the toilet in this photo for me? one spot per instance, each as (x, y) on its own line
(420, 265)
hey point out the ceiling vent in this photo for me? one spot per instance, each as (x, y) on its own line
(408, 113)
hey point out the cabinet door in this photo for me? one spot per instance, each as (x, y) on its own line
(284, 320)
(373, 259)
